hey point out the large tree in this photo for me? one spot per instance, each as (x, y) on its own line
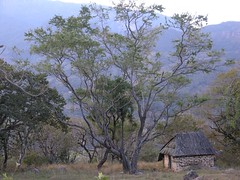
(22, 114)
(223, 107)
(80, 50)
(222, 111)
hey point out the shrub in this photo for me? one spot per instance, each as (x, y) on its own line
(101, 176)
(35, 159)
(6, 177)
(230, 157)
(149, 152)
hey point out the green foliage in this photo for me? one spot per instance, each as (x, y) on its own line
(181, 123)
(223, 108)
(26, 103)
(55, 145)
(35, 159)
(6, 177)
(117, 93)
(229, 157)
(150, 152)
(29, 109)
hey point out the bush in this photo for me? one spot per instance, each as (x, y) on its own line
(230, 157)
(149, 153)
(102, 177)
(35, 159)
(56, 145)
(6, 177)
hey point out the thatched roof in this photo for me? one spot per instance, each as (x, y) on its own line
(188, 144)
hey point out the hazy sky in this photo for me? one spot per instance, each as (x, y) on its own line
(217, 10)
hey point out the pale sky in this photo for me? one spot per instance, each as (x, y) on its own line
(217, 10)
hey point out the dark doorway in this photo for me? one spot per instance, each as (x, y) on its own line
(169, 162)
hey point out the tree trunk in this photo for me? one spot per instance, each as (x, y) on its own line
(104, 159)
(20, 159)
(24, 143)
(136, 152)
(90, 156)
(125, 163)
(134, 161)
(5, 151)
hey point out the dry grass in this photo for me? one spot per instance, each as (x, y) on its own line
(151, 166)
(228, 174)
(108, 168)
(85, 171)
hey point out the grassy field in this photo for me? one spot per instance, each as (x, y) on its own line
(85, 171)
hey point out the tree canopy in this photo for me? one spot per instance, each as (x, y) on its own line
(79, 51)
(20, 113)
(223, 107)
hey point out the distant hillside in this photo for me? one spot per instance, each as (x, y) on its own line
(227, 36)
(17, 17)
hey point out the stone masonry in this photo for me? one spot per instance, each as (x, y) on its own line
(181, 163)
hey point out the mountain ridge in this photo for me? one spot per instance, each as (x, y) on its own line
(18, 17)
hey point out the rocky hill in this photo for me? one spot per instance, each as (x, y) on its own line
(227, 36)
(17, 17)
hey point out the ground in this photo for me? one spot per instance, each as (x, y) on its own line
(84, 171)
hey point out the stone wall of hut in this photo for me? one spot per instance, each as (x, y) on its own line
(181, 163)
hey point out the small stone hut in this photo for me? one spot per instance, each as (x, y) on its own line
(187, 150)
